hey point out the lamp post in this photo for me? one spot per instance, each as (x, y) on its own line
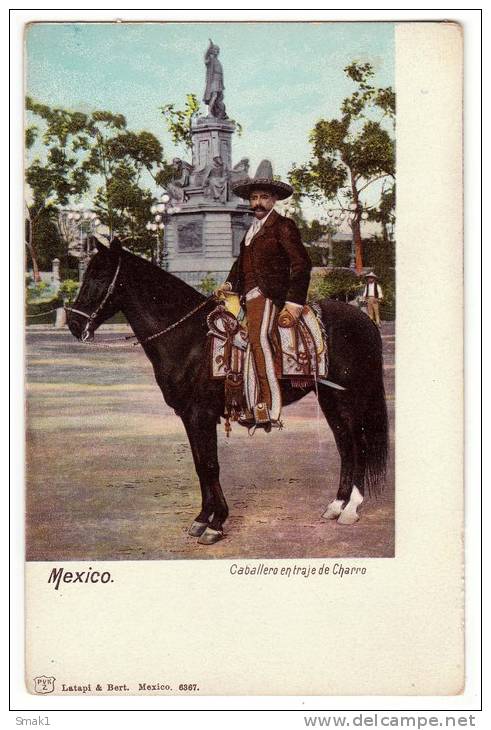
(87, 223)
(332, 226)
(161, 213)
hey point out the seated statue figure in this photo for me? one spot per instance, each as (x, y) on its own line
(215, 180)
(240, 170)
(182, 173)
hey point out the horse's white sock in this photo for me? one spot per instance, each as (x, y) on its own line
(349, 514)
(333, 509)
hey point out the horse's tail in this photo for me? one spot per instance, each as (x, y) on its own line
(376, 433)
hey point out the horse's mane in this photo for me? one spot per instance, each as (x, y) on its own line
(157, 281)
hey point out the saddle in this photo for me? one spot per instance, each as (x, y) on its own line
(299, 352)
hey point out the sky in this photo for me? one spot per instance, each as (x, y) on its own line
(280, 78)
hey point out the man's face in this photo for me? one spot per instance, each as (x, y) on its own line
(262, 202)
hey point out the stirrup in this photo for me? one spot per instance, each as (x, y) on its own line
(261, 414)
(272, 424)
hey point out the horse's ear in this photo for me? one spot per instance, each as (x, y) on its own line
(99, 245)
(115, 245)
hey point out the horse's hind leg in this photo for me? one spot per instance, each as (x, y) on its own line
(349, 515)
(340, 415)
(202, 434)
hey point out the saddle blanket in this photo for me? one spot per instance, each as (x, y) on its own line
(300, 351)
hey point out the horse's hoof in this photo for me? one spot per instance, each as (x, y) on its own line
(333, 510)
(348, 517)
(197, 528)
(210, 536)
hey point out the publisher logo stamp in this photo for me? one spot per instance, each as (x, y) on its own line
(43, 685)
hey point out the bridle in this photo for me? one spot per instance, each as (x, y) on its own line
(91, 317)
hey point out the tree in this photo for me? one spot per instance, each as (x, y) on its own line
(56, 177)
(49, 244)
(385, 213)
(350, 153)
(119, 157)
(380, 251)
(83, 149)
(179, 121)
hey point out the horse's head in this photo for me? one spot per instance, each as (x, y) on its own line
(99, 297)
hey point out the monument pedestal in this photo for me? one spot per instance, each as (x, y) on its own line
(205, 240)
(204, 237)
(212, 138)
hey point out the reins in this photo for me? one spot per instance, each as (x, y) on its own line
(175, 324)
(91, 317)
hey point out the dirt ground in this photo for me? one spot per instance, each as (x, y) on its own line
(110, 474)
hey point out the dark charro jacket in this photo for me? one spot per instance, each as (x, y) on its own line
(280, 262)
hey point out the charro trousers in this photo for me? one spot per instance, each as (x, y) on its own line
(373, 309)
(255, 313)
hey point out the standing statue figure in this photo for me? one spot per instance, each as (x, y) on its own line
(213, 95)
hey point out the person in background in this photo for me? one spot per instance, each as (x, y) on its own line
(373, 295)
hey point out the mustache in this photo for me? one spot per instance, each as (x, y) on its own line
(258, 207)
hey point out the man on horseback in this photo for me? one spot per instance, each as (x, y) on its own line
(271, 275)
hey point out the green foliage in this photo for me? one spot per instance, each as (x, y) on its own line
(30, 136)
(238, 127)
(208, 284)
(39, 312)
(69, 268)
(380, 255)
(318, 255)
(49, 244)
(79, 147)
(119, 157)
(60, 175)
(164, 174)
(179, 121)
(366, 94)
(342, 284)
(388, 303)
(353, 151)
(385, 213)
(68, 290)
(55, 178)
(341, 254)
(312, 231)
(141, 150)
(38, 291)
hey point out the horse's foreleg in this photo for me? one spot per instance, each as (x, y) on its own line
(202, 434)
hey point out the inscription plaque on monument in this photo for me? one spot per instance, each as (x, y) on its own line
(190, 235)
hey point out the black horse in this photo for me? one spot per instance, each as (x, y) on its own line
(153, 300)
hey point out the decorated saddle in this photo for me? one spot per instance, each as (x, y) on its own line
(299, 353)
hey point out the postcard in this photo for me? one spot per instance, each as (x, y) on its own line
(243, 306)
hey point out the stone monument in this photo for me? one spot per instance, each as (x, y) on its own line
(204, 236)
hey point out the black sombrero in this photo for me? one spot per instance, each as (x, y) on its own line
(264, 180)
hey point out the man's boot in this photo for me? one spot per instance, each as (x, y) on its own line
(246, 418)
